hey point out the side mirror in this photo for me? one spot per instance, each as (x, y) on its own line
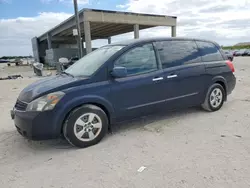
(119, 72)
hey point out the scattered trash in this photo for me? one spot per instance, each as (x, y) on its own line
(49, 159)
(183, 181)
(11, 77)
(49, 74)
(38, 68)
(141, 169)
(63, 60)
(246, 100)
(222, 135)
(62, 64)
(238, 136)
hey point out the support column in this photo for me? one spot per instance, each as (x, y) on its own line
(49, 41)
(78, 46)
(136, 31)
(87, 34)
(82, 46)
(109, 40)
(173, 31)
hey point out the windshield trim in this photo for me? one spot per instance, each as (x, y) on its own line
(99, 61)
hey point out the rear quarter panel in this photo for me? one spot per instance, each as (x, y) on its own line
(218, 71)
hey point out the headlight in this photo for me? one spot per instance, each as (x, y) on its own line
(46, 102)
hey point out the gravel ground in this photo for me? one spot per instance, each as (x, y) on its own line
(188, 148)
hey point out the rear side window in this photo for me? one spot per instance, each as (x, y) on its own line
(175, 53)
(209, 51)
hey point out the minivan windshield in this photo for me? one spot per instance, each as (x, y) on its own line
(87, 65)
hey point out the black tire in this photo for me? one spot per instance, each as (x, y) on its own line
(69, 125)
(207, 103)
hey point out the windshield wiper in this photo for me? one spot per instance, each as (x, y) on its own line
(67, 74)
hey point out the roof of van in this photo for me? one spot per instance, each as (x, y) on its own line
(142, 40)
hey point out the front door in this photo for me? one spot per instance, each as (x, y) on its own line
(140, 92)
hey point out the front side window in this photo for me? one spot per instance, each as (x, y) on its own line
(209, 51)
(87, 65)
(139, 60)
(176, 53)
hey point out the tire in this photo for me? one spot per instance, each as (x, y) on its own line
(216, 95)
(85, 126)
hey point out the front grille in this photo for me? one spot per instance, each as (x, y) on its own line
(20, 105)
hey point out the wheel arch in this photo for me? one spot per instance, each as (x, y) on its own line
(222, 81)
(71, 105)
(219, 80)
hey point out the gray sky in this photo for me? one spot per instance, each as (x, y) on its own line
(224, 21)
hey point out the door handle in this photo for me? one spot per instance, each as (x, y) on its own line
(157, 79)
(172, 76)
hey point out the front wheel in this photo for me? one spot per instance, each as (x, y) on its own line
(85, 126)
(215, 98)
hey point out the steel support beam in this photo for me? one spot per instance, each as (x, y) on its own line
(129, 18)
(136, 31)
(87, 35)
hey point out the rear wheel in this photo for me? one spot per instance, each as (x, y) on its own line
(85, 126)
(215, 98)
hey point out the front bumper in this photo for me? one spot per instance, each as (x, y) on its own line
(35, 125)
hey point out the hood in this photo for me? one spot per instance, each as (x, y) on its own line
(47, 85)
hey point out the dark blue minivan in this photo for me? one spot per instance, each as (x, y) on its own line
(123, 81)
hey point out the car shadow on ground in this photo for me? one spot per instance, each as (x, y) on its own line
(13, 140)
(153, 119)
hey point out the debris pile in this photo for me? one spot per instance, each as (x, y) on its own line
(11, 77)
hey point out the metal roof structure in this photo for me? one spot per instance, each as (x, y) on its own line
(98, 24)
(105, 23)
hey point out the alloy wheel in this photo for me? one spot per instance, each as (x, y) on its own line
(87, 127)
(216, 97)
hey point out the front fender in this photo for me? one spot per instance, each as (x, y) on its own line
(64, 108)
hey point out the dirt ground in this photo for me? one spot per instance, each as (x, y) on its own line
(188, 148)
